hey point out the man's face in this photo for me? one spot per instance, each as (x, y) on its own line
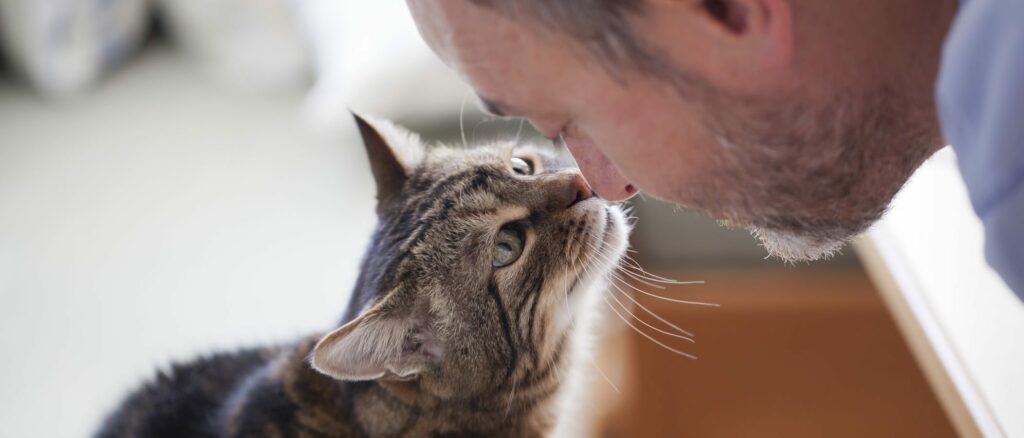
(754, 144)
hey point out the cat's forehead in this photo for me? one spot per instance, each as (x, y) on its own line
(484, 155)
(478, 186)
(495, 154)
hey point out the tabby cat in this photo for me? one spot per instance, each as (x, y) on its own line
(467, 315)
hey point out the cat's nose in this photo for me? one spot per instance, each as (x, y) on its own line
(579, 190)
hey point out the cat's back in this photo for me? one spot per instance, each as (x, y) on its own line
(183, 401)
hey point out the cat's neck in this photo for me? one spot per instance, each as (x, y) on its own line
(403, 408)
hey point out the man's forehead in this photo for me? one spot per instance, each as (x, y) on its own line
(457, 28)
(433, 23)
(492, 52)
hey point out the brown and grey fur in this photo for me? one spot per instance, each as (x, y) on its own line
(435, 341)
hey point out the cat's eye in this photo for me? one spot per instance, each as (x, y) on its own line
(508, 246)
(522, 166)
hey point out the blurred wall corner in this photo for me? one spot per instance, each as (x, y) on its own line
(248, 46)
(342, 55)
(5, 63)
(369, 57)
(63, 47)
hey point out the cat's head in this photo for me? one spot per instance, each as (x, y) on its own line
(480, 262)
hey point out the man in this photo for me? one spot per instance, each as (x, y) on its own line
(797, 119)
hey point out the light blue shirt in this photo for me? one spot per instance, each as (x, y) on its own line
(981, 107)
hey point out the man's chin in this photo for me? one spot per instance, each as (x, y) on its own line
(796, 247)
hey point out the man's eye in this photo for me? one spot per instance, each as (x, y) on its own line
(522, 166)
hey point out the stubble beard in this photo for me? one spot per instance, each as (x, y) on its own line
(806, 178)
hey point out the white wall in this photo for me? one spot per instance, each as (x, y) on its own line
(154, 219)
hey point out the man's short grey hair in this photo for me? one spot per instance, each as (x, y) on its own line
(602, 27)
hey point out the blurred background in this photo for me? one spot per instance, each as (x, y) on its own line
(181, 176)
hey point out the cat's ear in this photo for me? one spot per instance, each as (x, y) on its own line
(377, 345)
(393, 153)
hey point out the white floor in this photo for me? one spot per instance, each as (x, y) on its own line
(155, 219)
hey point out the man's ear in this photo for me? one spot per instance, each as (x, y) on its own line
(378, 345)
(767, 21)
(393, 153)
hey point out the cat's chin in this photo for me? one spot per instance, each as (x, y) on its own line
(614, 236)
(607, 246)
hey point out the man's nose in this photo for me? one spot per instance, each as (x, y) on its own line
(605, 178)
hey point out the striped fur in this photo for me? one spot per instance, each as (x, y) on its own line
(436, 341)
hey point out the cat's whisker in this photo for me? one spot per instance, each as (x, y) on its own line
(628, 263)
(660, 297)
(639, 277)
(519, 131)
(649, 325)
(642, 333)
(618, 266)
(638, 330)
(605, 376)
(636, 269)
(660, 284)
(477, 126)
(652, 313)
(654, 295)
(462, 123)
(636, 265)
(654, 277)
(572, 322)
(648, 311)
